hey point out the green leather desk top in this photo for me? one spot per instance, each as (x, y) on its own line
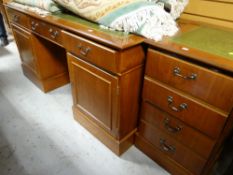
(215, 41)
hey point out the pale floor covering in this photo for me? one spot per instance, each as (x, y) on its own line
(38, 135)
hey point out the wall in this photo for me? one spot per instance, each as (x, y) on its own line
(218, 12)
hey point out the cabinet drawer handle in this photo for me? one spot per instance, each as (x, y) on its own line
(34, 25)
(180, 108)
(177, 72)
(16, 18)
(53, 33)
(165, 147)
(171, 128)
(85, 50)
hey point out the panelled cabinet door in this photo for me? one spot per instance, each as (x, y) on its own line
(23, 39)
(94, 92)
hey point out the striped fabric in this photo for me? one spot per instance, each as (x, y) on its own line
(48, 5)
(150, 18)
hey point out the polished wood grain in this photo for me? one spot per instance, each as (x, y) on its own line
(116, 146)
(106, 99)
(18, 18)
(95, 92)
(46, 30)
(181, 154)
(101, 76)
(90, 51)
(52, 64)
(176, 129)
(27, 54)
(104, 103)
(101, 56)
(207, 117)
(160, 157)
(43, 62)
(89, 30)
(214, 88)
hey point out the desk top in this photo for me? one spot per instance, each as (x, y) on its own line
(206, 44)
(87, 29)
(200, 42)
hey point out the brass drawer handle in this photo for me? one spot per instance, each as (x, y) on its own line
(53, 33)
(170, 128)
(16, 18)
(180, 108)
(165, 147)
(177, 72)
(83, 50)
(34, 25)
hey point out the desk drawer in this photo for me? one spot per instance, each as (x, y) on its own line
(90, 51)
(46, 30)
(173, 149)
(178, 130)
(212, 87)
(18, 18)
(190, 111)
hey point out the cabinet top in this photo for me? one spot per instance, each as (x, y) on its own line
(207, 44)
(87, 29)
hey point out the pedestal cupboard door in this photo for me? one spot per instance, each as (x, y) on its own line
(94, 92)
(23, 39)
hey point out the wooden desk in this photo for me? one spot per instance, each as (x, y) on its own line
(186, 107)
(105, 69)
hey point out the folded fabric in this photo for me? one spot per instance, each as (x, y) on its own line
(48, 5)
(142, 17)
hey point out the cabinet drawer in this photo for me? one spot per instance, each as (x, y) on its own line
(90, 51)
(189, 110)
(46, 30)
(191, 138)
(18, 18)
(172, 148)
(212, 87)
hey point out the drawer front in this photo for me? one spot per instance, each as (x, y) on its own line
(18, 18)
(191, 138)
(92, 52)
(46, 30)
(212, 87)
(172, 148)
(188, 110)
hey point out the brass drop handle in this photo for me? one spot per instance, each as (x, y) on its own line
(34, 25)
(16, 18)
(83, 50)
(177, 72)
(180, 108)
(165, 147)
(53, 33)
(170, 128)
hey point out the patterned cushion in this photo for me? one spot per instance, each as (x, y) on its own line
(48, 5)
(138, 16)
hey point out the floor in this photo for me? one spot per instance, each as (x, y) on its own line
(38, 135)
